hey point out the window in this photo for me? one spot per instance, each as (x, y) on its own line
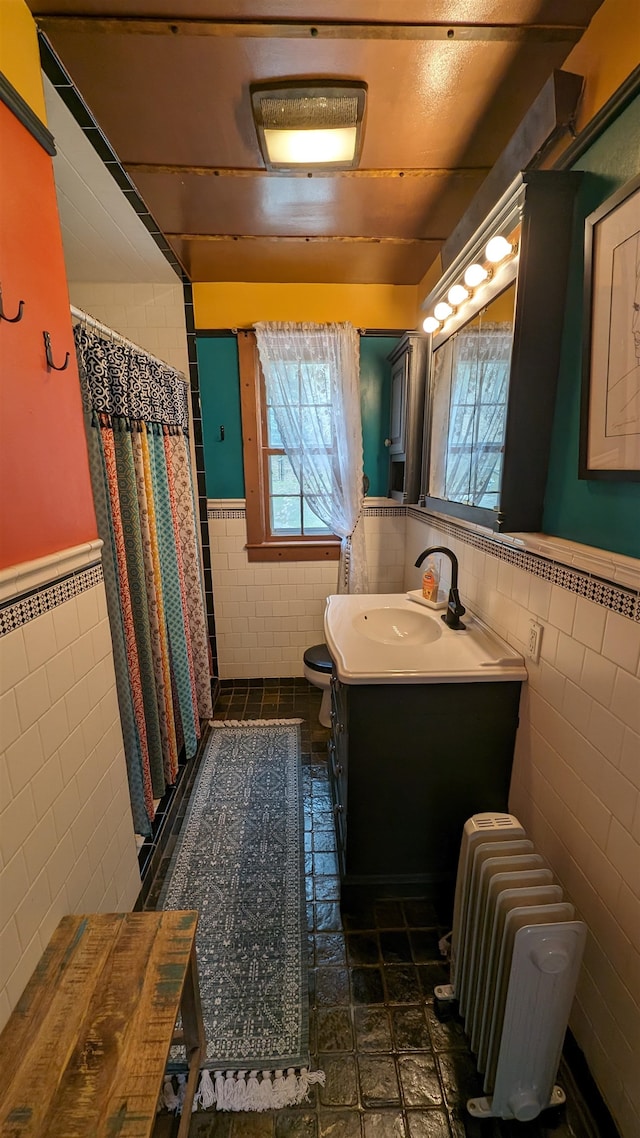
(469, 409)
(280, 524)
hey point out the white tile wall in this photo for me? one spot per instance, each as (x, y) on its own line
(576, 787)
(267, 614)
(151, 315)
(66, 833)
(103, 237)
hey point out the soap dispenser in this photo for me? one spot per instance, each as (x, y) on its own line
(430, 582)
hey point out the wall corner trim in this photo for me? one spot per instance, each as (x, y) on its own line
(23, 112)
(30, 575)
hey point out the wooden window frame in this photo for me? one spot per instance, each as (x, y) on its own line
(261, 545)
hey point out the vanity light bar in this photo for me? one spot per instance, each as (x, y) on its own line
(497, 250)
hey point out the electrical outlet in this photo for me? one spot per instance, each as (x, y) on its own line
(535, 639)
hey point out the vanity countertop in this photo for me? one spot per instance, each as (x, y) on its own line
(386, 638)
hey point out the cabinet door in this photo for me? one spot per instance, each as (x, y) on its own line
(338, 760)
(398, 417)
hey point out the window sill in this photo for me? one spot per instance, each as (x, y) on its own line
(293, 551)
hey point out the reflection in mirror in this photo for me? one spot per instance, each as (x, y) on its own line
(469, 392)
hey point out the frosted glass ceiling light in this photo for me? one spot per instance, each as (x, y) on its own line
(442, 310)
(309, 147)
(497, 249)
(307, 126)
(430, 324)
(457, 294)
(475, 275)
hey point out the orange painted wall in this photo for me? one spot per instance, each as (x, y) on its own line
(45, 488)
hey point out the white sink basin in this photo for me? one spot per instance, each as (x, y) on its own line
(388, 639)
(390, 625)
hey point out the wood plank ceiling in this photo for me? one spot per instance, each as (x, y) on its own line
(448, 82)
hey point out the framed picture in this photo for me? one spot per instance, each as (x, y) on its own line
(610, 412)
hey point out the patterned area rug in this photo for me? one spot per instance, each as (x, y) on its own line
(239, 860)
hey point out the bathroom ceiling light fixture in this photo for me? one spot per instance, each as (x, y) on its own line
(309, 125)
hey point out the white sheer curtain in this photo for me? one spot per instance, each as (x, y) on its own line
(469, 404)
(312, 374)
(478, 413)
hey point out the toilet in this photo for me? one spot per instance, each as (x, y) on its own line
(318, 666)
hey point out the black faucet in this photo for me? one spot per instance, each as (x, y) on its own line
(455, 608)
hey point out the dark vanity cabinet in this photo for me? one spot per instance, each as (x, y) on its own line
(408, 764)
(338, 766)
(406, 416)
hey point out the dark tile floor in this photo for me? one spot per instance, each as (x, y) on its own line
(394, 1068)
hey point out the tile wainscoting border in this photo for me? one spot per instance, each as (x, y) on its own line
(35, 587)
(235, 508)
(578, 569)
(609, 579)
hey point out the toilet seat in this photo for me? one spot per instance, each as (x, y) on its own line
(318, 659)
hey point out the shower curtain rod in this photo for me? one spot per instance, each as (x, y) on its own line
(84, 317)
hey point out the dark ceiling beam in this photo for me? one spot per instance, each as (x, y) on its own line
(463, 173)
(300, 240)
(289, 29)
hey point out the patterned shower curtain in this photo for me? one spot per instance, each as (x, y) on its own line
(136, 417)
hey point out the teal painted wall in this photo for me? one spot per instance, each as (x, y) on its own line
(375, 399)
(603, 514)
(220, 399)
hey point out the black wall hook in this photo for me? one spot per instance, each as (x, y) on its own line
(11, 319)
(50, 363)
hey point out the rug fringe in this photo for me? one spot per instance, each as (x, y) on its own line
(244, 1090)
(253, 722)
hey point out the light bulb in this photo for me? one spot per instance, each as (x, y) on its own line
(497, 249)
(442, 310)
(457, 294)
(431, 324)
(475, 275)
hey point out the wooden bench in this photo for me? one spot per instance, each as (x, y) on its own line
(83, 1054)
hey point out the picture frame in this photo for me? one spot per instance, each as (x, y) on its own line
(610, 403)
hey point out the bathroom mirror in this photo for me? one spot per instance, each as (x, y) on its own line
(493, 358)
(470, 382)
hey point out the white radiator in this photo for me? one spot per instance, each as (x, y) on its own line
(515, 955)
